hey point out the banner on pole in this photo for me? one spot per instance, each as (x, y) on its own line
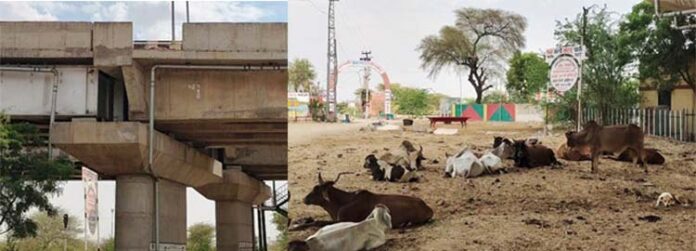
(90, 179)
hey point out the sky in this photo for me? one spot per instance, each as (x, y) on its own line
(392, 30)
(151, 21)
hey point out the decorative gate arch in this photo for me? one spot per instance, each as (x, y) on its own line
(349, 63)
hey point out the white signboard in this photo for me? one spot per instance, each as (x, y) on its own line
(90, 178)
(564, 73)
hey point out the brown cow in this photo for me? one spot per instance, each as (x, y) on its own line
(577, 153)
(651, 156)
(533, 156)
(355, 206)
(613, 139)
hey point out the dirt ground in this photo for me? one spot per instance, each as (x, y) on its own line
(535, 209)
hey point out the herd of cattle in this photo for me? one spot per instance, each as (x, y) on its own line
(361, 218)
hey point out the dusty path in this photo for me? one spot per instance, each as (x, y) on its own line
(304, 132)
(537, 209)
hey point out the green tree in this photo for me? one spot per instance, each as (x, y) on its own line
(281, 224)
(480, 41)
(27, 177)
(606, 81)
(411, 101)
(495, 97)
(665, 54)
(301, 75)
(527, 75)
(200, 237)
(50, 234)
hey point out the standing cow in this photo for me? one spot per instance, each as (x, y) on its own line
(612, 139)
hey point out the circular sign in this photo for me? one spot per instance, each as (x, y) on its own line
(564, 73)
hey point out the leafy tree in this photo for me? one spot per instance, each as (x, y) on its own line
(301, 74)
(495, 97)
(663, 52)
(480, 40)
(50, 234)
(527, 75)
(606, 80)
(412, 101)
(109, 244)
(200, 237)
(281, 224)
(27, 177)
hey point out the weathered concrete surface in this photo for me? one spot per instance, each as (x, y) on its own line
(113, 43)
(234, 225)
(231, 95)
(236, 37)
(236, 186)
(120, 148)
(135, 212)
(46, 39)
(136, 81)
(267, 161)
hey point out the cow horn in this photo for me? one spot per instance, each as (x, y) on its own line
(339, 176)
(421, 148)
(321, 181)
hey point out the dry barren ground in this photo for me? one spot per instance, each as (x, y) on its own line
(535, 209)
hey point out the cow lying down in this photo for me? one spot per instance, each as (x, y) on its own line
(353, 236)
(582, 153)
(467, 165)
(354, 206)
(382, 170)
(530, 156)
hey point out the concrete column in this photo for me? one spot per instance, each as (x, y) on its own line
(234, 225)
(135, 213)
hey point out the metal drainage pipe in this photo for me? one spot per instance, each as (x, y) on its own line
(54, 95)
(151, 120)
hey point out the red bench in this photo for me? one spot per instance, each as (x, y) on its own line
(447, 120)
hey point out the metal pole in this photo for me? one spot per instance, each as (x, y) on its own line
(173, 23)
(188, 19)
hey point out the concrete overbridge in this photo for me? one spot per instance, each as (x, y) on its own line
(217, 110)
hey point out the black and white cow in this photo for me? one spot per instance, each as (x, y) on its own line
(383, 171)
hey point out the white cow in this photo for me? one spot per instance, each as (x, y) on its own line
(492, 163)
(465, 164)
(352, 236)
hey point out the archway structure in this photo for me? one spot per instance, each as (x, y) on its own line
(358, 63)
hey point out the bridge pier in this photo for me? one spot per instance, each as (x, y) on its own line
(234, 199)
(135, 213)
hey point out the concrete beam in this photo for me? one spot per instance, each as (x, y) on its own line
(112, 43)
(45, 40)
(236, 37)
(120, 148)
(257, 155)
(237, 186)
(135, 80)
(214, 94)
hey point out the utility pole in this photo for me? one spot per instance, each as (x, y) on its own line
(173, 22)
(582, 47)
(366, 81)
(331, 66)
(188, 19)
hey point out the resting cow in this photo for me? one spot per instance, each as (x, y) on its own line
(353, 236)
(413, 156)
(354, 206)
(502, 147)
(533, 156)
(651, 156)
(492, 163)
(381, 170)
(612, 139)
(465, 164)
(578, 153)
